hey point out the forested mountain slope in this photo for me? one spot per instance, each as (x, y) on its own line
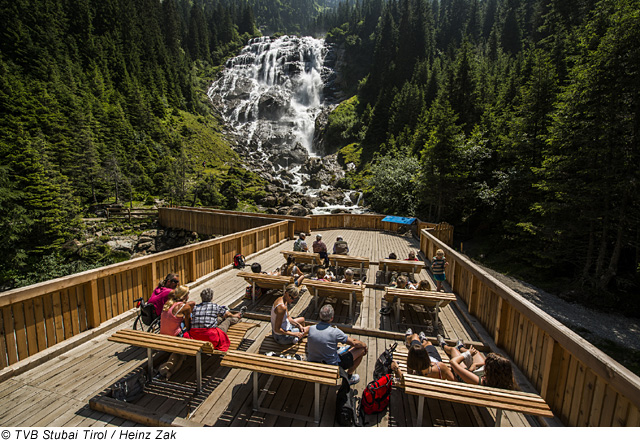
(517, 121)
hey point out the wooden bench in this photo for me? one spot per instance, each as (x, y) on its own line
(501, 399)
(435, 300)
(270, 345)
(317, 373)
(304, 257)
(475, 395)
(349, 261)
(265, 281)
(179, 345)
(411, 266)
(343, 291)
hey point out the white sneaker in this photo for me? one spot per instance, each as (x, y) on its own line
(355, 378)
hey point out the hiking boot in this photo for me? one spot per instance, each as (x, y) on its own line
(242, 311)
(459, 344)
(408, 333)
(354, 379)
(441, 341)
(423, 336)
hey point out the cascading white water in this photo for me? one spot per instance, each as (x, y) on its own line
(272, 92)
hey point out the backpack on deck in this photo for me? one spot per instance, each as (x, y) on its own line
(346, 412)
(129, 388)
(375, 397)
(383, 363)
(238, 261)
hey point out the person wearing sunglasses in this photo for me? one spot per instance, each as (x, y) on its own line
(161, 293)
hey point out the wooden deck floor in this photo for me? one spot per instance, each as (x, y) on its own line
(57, 392)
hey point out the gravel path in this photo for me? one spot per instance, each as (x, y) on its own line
(617, 328)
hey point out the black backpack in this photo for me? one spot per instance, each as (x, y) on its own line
(383, 363)
(346, 411)
(238, 261)
(129, 388)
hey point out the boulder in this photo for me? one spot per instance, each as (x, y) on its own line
(298, 211)
(122, 244)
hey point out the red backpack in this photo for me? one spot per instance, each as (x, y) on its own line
(375, 397)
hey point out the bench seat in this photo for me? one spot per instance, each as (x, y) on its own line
(342, 291)
(303, 257)
(317, 373)
(266, 281)
(475, 395)
(430, 299)
(409, 266)
(349, 261)
(179, 345)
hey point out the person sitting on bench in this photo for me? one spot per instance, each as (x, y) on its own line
(348, 278)
(423, 358)
(205, 324)
(175, 311)
(401, 283)
(412, 256)
(320, 248)
(424, 285)
(161, 292)
(287, 330)
(322, 345)
(324, 275)
(340, 247)
(471, 367)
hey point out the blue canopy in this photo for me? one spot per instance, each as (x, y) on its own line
(400, 220)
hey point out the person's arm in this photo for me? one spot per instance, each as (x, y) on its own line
(396, 370)
(355, 343)
(186, 311)
(466, 375)
(280, 313)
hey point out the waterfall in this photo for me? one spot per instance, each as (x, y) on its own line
(271, 93)
(271, 96)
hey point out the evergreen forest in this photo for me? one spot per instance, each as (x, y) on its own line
(517, 121)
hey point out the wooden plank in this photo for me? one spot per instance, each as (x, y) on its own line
(30, 326)
(4, 358)
(41, 333)
(66, 313)
(92, 303)
(569, 390)
(608, 407)
(102, 301)
(49, 319)
(578, 389)
(596, 404)
(587, 397)
(57, 316)
(20, 329)
(82, 308)
(621, 412)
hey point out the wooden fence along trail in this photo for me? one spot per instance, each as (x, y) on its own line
(583, 386)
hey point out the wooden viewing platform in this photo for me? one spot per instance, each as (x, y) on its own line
(65, 380)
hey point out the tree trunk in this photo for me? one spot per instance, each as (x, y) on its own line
(589, 258)
(612, 269)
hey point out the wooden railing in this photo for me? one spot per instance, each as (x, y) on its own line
(442, 231)
(582, 385)
(40, 316)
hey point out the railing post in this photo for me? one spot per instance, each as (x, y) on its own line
(93, 307)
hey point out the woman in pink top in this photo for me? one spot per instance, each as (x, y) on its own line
(161, 293)
(176, 310)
